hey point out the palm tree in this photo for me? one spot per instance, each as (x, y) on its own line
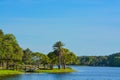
(58, 48)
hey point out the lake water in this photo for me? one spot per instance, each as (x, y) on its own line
(84, 73)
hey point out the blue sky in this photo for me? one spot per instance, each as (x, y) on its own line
(87, 27)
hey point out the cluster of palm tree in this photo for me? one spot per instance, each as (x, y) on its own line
(58, 57)
(63, 55)
(11, 54)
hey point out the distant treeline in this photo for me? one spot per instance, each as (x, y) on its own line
(110, 60)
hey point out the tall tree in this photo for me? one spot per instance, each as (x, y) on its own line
(27, 56)
(1, 33)
(10, 50)
(58, 47)
(1, 48)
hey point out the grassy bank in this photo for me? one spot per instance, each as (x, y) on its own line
(4, 73)
(67, 70)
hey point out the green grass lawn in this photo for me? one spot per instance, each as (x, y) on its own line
(67, 70)
(4, 73)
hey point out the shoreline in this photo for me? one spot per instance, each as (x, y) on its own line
(67, 70)
(7, 73)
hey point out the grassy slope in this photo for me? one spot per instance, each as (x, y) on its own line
(68, 70)
(4, 73)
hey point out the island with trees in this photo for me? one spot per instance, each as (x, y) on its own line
(15, 60)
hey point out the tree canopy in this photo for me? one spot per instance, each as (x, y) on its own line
(10, 51)
(12, 54)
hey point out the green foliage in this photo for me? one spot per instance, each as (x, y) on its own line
(67, 57)
(93, 60)
(53, 58)
(111, 60)
(11, 54)
(40, 58)
(114, 60)
(58, 45)
(27, 56)
(1, 33)
(10, 51)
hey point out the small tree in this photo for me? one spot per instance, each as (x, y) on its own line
(53, 59)
(40, 58)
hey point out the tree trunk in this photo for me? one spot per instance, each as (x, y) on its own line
(44, 66)
(2, 65)
(13, 66)
(38, 66)
(59, 65)
(25, 67)
(64, 66)
(16, 67)
(51, 66)
(7, 64)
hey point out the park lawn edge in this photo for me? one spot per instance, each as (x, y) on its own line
(5, 73)
(56, 71)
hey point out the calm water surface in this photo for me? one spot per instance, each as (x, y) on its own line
(84, 73)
